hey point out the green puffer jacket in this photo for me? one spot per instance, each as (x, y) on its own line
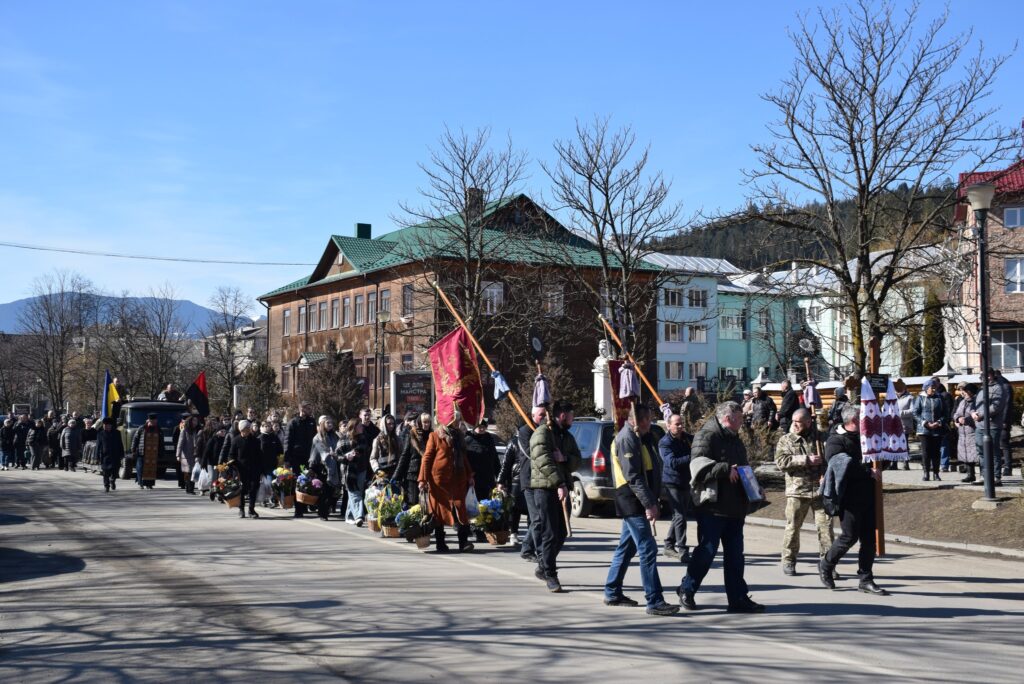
(545, 472)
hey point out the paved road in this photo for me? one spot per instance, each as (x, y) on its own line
(157, 586)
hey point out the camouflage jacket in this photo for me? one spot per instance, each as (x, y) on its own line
(792, 455)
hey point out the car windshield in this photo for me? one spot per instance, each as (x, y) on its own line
(587, 436)
(167, 420)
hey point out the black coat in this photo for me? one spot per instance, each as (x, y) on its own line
(109, 450)
(483, 459)
(788, 407)
(515, 468)
(212, 449)
(245, 452)
(408, 468)
(270, 448)
(37, 437)
(860, 488)
(53, 437)
(20, 435)
(299, 442)
(7, 437)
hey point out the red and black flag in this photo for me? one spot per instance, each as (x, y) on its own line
(197, 394)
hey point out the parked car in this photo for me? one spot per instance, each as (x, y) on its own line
(593, 483)
(133, 415)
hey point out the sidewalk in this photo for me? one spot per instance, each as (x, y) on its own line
(1012, 484)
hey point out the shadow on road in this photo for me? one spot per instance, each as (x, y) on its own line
(10, 519)
(885, 610)
(16, 565)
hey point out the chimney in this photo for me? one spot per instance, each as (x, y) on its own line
(364, 231)
(474, 202)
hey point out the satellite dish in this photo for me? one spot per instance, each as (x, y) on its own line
(536, 343)
(806, 345)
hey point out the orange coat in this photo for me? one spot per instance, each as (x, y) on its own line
(446, 484)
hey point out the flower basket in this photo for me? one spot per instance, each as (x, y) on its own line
(234, 501)
(283, 485)
(390, 531)
(423, 542)
(308, 499)
(287, 500)
(373, 525)
(499, 538)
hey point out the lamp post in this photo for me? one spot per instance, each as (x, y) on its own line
(980, 198)
(383, 318)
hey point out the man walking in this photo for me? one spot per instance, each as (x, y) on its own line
(637, 481)
(554, 456)
(109, 453)
(674, 449)
(716, 454)
(148, 450)
(248, 457)
(798, 457)
(298, 444)
(849, 492)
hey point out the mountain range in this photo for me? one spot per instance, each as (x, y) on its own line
(195, 317)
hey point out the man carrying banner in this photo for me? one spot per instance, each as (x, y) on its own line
(554, 456)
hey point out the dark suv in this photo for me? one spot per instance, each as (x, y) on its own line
(593, 483)
(133, 415)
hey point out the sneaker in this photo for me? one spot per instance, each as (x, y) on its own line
(622, 601)
(670, 552)
(359, 522)
(789, 569)
(538, 572)
(748, 606)
(528, 557)
(553, 585)
(662, 609)
(686, 600)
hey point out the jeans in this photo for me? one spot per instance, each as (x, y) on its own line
(858, 526)
(712, 530)
(944, 450)
(4, 457)
(636, 536)
(551, 520)
(138, 470)
(679, 497)
(356, 509)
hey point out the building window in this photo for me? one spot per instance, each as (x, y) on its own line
(698, 369)
(371, 371)
(674, 370)
(302, 319)
(764, 319)
(1013, 217)
(1008, 348)
(1014, 274)
(673, 332)
(733, 326)
(323, 315)
(385, 300)
(697, 299)
(407, 362)
(358, 363)
(698, 334)
(334, 312)
(553, 302)
(813, 314)
(286, 379)
(346, 312)
(492, 296)
(286, 322)
(359, 310)
(736, 373)
(407, 302)
(371, 308)
(311, 318)
(673, 297)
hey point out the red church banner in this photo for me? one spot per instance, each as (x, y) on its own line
(457, 380)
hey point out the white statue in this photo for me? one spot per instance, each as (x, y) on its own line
(604, 354)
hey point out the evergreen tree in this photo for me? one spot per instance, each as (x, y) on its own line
(331, 386)
(933, 346)
(261, 389)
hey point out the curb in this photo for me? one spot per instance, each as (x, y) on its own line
(911, 541)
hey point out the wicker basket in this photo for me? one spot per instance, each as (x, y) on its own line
(390, 531)
(423, 542)
(499, 538)
(373, 525)
(234, 502)
(308, 499)
(287, 501)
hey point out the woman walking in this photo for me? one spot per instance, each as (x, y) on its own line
(187, 451)
(356, 460)
(37, 443)
(445, 477)
(408, 469)
(386, 450)
(323, 464)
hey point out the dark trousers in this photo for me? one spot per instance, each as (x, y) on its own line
(858, 526)
(109, 476)
(713, 530)
(327, 501)
(1004, 449)
(531, 541)
(21, 456)
(931, 448)
(551, 523)
(679, 497)
(250, 488)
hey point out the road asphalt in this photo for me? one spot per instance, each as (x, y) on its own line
(160, 586)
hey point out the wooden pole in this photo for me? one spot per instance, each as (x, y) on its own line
(874, 363)
(629, 356)
(479, 349)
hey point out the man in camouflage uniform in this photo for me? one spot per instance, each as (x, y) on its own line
(797, 456)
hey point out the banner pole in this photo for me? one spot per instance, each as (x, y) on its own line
(479, 349)
(629, 356)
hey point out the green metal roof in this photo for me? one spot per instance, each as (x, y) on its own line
(297, 285)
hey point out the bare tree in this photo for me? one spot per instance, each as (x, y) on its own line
(876, 115)
(62, 308)
(221, 338)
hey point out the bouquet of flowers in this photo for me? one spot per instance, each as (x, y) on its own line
(389, 505)
(308, 489)
(283, 485)
(493, 518)
(228, 488)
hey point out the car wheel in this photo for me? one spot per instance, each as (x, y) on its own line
(581, 505)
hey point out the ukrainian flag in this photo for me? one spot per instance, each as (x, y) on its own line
(110, 396)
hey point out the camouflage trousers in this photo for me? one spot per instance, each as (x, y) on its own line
(796, 511)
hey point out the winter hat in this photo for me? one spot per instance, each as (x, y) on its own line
(244, 425)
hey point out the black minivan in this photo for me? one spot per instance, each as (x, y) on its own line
(592, 483)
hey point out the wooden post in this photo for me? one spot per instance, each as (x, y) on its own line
(629, 356)
(874, 363)
(479, 349)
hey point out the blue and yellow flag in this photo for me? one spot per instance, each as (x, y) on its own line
(110, 396)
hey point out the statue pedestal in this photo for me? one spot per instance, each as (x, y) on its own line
(602, 391)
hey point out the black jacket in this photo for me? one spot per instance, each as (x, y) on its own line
(7, 437)
(860, 488)
(245, 452)
(212, 449)
(714, 442)
(786, 410)
(37, 437)
(109, 449)
(299, 442)
(515, 468)
(270, 449)
(20, 435)
(53, 437)
(408, 468)
(483, 459)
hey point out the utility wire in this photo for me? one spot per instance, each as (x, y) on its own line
(64, 250)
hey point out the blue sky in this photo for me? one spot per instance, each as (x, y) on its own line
(254, 130)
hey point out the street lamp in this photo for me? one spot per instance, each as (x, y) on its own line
(980, 197)
(383, 318)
